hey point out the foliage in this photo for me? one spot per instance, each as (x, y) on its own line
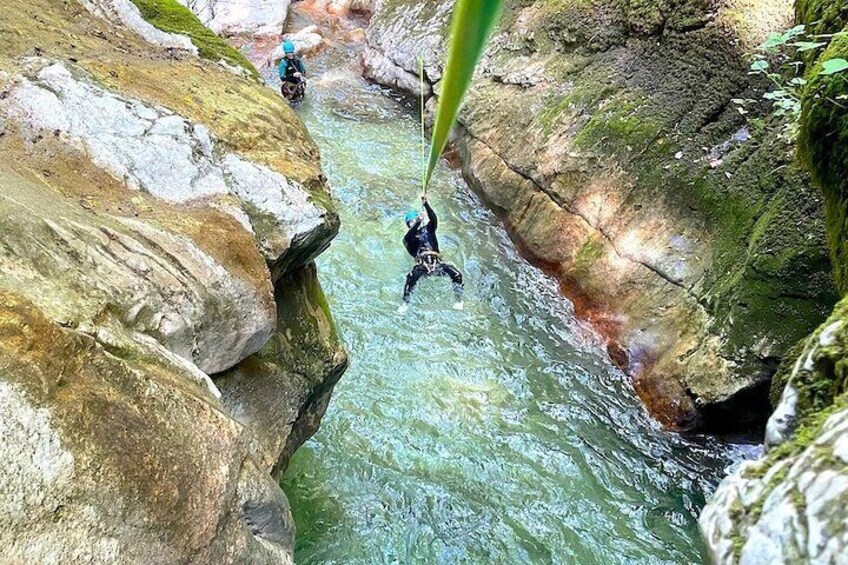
(473, 22)
(778, 59)
(173, 17)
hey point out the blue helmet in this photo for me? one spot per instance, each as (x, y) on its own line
(411, 216)
(288, 47)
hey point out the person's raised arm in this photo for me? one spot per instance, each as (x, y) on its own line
(409, 239)
(434, 221)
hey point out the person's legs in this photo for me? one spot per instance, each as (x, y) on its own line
(412, 278)
(448, 270)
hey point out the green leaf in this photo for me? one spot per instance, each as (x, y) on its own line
(738, 101)
(773, 40)
(798, 81)
(833, 66)
(759, 66)
(778, 39)
(808, 45)
(473, 22)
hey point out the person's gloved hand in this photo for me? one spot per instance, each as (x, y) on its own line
(424, 198)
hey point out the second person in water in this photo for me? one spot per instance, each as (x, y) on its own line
(421, 242)
(292, 73)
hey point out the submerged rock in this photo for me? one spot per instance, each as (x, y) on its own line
(606, 138)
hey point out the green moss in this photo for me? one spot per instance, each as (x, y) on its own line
(621, 126)
(784, 372)
(822, 16)
(173, 17)
(587, 94)
(592, 250)
(821, 383)
(823, 147)
(306, 341)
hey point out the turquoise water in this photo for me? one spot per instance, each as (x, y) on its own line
(500, 434)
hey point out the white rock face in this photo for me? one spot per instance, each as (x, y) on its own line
(259, 17)
(37, 464)
(129, 272)
(306, 40)
(126, 13)
(156, 151)
(118, 462)
(382, 70)
(795, 513)
(403, 36)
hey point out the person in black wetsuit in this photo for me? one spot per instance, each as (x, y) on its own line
(421, 242)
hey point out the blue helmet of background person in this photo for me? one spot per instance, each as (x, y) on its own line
(411, 216)
(288, 47)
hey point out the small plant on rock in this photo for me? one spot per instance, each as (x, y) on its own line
(780, 59)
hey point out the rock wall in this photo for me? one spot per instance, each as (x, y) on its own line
(258, 17)
(789, 507)
(605, 135)
(164, 342)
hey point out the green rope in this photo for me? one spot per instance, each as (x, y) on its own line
(423, 133)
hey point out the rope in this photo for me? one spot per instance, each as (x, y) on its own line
(423, 134)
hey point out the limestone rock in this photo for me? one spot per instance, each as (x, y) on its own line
(154, 150)
(258, 17)
(90, 270)
(405, 31)
(789, 506)
(148, 200)
(791, 511)
(281, 393)
(109, 459)
(126, 13)
(306, 41)
(381, 69)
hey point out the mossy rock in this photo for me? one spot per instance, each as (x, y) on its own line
(173, 17)
(823, 146)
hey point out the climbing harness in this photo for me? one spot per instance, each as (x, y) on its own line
(429, 260)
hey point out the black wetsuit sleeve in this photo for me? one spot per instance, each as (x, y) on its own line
(434, 221)
(300, 66)
(410, 241)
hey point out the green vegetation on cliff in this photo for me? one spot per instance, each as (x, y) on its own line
(173, 17)
(823, 146)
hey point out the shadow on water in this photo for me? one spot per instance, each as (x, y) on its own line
(501, 434)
